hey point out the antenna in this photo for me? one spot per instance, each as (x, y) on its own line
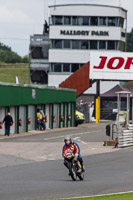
(120, 3)
(45, 9)
(54, 4)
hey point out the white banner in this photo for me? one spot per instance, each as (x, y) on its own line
(111, 66)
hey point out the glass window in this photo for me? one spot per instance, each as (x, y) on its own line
(84, 44)
(93, 44)
(80, 65)
(75, 67)
(67, 44)
(74, 21)
(111, 45)
(53, 20)
(102, 21)
(76, 44)
(66, 67)
(58, 20)
(36, 52)
(45, 50)
(57, 67)
(67, 20)
(58, 44)
(121, 22)
(85, 21)
(80, 21)
(102, 44)
(112, 21)
(123, 34)
(52, 67)
(121, 46)
(94, 21)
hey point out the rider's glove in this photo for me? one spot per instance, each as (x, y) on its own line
(75, 158)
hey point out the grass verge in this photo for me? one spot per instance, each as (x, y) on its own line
(8, 74)
(128, 196)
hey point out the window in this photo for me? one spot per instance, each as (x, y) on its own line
(102, 21)
(67, 44)
(93, 44)
(52, 20)
(102, 44)
(121, 46)
(58, 44)
(121, 22)
(80, 21)
(74, 20)
(84, 44)
(67, 20)
(123, 34)
(111, 45)
(58, 20)
(94, 21)
(45, 50)
(66, 67)
(76, 44)
(36, 52)
(75, 67)
(85, 21)
(112, 21)
(52, 67)
(57, 67)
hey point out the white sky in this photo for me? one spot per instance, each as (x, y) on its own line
(21, 18)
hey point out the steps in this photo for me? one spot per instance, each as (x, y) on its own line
(126, 138)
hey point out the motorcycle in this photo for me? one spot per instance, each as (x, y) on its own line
(74, 167)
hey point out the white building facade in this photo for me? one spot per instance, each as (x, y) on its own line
(76, 30)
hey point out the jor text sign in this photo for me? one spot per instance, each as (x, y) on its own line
(111, 66)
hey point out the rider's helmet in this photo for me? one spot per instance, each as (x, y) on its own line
(67, 138)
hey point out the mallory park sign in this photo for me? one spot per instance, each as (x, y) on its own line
(116, 66)
(89, 33)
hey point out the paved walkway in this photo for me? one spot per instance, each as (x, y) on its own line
(41, 146)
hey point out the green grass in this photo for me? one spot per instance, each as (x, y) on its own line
(128, 196)
(8, 74)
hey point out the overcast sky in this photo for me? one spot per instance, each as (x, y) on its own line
(21, 18)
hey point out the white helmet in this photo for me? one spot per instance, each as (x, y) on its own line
(67, 138)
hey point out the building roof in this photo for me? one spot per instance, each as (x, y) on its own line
(85, 4)
(113, 92)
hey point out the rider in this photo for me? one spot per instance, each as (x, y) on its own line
(74, 148)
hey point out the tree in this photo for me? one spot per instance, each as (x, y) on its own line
(130, 41)
(9, 57)
(25, 59)
(4, 47)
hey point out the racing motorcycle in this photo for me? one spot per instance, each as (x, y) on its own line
(74, 167)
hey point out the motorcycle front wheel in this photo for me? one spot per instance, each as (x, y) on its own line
(81, 176)
(73, 174)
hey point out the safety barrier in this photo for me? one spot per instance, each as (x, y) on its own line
(126, 138)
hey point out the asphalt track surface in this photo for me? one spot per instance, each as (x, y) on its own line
(27, 180)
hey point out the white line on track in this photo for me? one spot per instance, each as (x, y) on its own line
(101, 195)
(74, 134)
(79, 140)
